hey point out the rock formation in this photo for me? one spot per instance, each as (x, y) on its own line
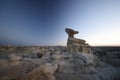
(43, 72)
(75, 45)
(78, 47)
(76, 62)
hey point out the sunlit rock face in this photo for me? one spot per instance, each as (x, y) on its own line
(78, 47)
(75, 45)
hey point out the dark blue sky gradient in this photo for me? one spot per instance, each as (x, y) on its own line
(42, 22)
(31, 21)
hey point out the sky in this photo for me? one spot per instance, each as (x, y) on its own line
(42, 22)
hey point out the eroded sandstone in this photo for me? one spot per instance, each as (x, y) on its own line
(74, 62)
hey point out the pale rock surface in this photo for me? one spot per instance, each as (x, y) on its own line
(56, 57)
(43, 72)
(14, 57)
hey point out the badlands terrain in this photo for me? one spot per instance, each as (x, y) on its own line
(75, 61)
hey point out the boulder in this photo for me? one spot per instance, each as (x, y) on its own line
(14, 57)
(43, 72)
(56, 57)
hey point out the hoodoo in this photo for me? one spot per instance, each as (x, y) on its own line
(75, 45)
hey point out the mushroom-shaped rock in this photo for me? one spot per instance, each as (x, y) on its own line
(75, 45)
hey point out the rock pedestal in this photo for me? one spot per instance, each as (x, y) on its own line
(75, 45)
(78, 48)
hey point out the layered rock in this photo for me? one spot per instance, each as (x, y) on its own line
(79, 47)
(75, 45)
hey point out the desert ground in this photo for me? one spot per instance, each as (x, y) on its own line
(55, 63)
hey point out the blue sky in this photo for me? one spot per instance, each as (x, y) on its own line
(42, 22)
